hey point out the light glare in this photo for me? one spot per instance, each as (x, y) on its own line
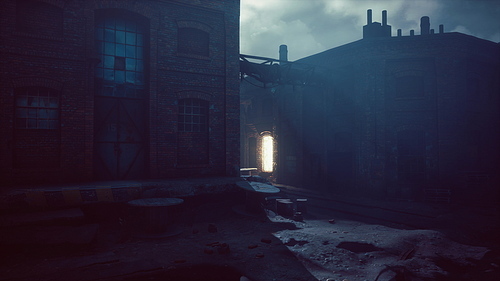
(267, 154)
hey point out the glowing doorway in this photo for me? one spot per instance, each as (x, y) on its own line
(267, 153)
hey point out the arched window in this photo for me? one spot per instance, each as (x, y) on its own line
(120, 45)
(40, 18)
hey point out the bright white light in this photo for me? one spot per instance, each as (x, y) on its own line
(267, 154)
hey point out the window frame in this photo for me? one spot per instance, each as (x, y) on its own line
(193, 113)
(36, 111)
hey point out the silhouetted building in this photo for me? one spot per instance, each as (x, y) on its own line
(112, 90)
(410, 117)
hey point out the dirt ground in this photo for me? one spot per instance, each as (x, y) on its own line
(218, 240)
(352, 250)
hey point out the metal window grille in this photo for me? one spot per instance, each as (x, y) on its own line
(193, 115)
(120, 44)
(37, 108)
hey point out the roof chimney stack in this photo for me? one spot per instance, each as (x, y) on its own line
(375, 29)
(424, 25)
(283, 53)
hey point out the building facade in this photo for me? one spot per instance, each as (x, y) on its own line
(117, 90)
(407, 117)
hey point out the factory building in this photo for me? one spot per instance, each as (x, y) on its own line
(408, 117)
(118, 90)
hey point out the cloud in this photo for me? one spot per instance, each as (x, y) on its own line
(312, 26)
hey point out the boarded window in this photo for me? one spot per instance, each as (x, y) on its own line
(473, 149)
(473, 89)
(411, 86)
(193, 41)
(290, 148)
(39, 18)
(411, 156)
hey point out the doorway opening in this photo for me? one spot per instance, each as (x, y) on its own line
(267, 153)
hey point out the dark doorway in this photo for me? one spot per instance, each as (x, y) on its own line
(252, 152)
(119, 138)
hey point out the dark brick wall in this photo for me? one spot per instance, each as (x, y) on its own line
(374, 113)
(457, 112)
(65, 61)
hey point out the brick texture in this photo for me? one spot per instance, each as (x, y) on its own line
(63, 57)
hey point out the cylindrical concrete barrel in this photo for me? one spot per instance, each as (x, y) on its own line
(302, 205)
(151, 215)
(284, 207)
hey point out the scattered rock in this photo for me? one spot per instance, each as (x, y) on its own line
(209, 251)
(244, 278)
(266, 240)
(212, 228)
(223, 249)
(252, 246)
(293, 242)
(358, 247)
(298, 217)
(331, 221)
(259, 255)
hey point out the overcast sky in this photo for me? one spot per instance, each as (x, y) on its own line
(312, 26)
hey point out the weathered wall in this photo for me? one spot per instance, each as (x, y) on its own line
(65, 60)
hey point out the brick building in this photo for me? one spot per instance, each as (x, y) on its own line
(113, 90)
(412, 117)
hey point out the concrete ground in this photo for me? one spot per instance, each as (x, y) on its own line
(338, 239)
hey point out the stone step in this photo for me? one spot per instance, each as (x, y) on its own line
(51, 217)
